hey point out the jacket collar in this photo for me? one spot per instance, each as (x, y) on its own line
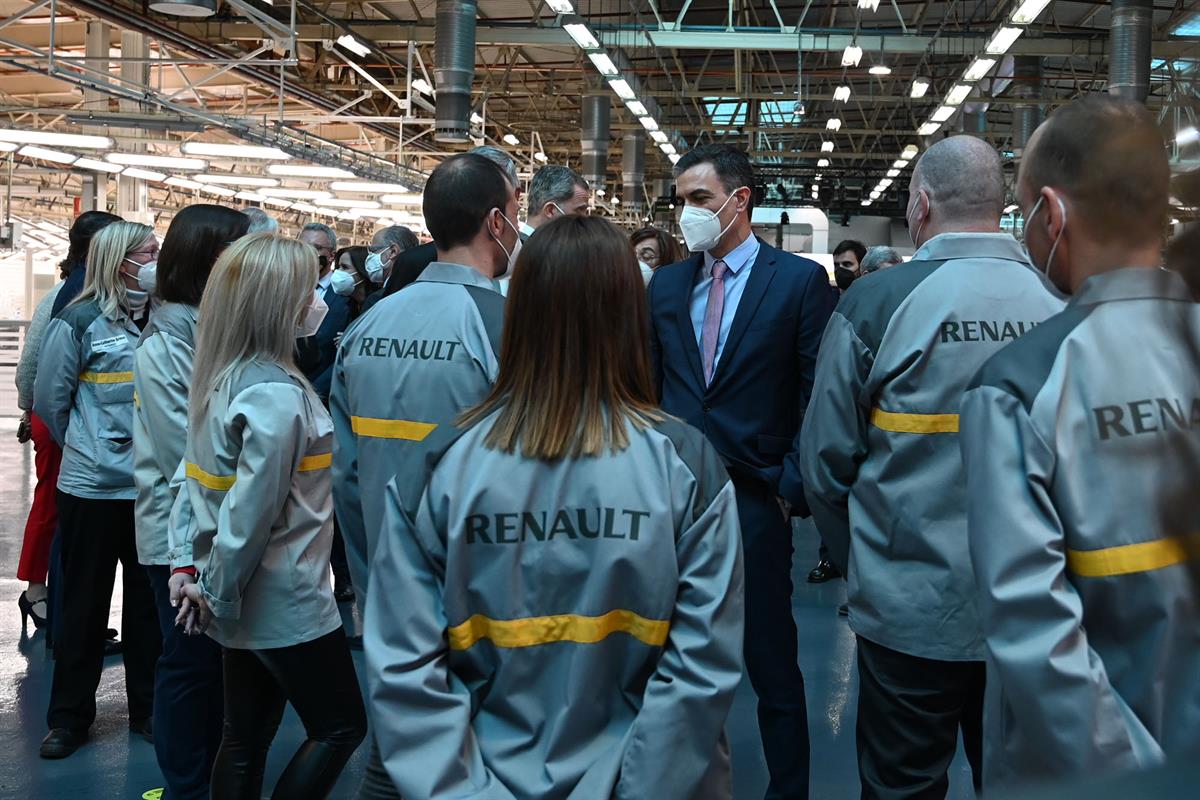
(443, 272)
(1132, 283)
(971, 245)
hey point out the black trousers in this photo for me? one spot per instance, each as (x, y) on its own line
(910, 711)
(318, 679)
(770, 641)
(95, 534)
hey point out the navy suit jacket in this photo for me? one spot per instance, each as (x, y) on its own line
(320, 373)
(752, 410)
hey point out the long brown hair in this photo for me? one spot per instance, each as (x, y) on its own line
(575, 358)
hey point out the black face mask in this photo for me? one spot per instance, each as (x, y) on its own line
(844, 277)
(323, 261)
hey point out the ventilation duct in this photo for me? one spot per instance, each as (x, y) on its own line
(597, 112)
(974, 121)
(633, 168)
(1129, 59)
(1027, 87)
(454, 68)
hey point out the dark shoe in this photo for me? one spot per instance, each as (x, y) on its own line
(143, 728)
(844, 610)
(823, 571)
(62, 742)
(343, 592)
(29, 608)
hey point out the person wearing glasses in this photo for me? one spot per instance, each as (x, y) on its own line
(654, 248)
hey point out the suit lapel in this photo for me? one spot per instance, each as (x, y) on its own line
(683, 317)
(756, 289)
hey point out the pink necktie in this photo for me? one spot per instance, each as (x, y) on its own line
(712, 319)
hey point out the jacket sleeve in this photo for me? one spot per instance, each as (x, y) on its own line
(28, 363)
(421, 712)
(833, 439)
(270, 417)
(1057, 697)
(59, 364)
(163, 366)
(675, 734)
(347, 493)
(816, 308)
(182, 528)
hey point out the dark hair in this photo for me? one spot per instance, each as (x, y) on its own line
(669, 251)
(553, 184)
(1107, 155)
(86, 225)
(358, 260)
(197, 237)
(459, 195)
(400, 236)
(731, 165)
(575, 356)
(858, 248)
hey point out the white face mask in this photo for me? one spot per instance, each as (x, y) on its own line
(1053, 248)
(376, 270)
(512, 257)
(915, 238)
(343, 282)
(313, 316)
(147, 275)
(702, 228)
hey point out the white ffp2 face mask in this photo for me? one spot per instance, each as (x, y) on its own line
(342, 282)
(1059, 293)
(702, 228)
(512, 257)
(147, 275)
(314, 315)
(376, 270)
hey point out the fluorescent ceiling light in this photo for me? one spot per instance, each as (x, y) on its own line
(276, 202)
(851, 55)
(841, 94)
(822, 162)
(55, 139)
(1028, 11)
(667, 148)
(184, 183)
(401, 199)
(166, 162)
(919, 87)
(979, 68)
(143, 174)
(422, 86)
(817, 177)
(885, 183)
(603, 63)
(637, 108)
(367, 187)
(237, 180)
(600, 192)
(41, 153)
(354, 45)
(834, 124)
(1187, 136)
(342, 203)
(942, 114)
(880, 69)
(899, 164)
(252, 197)
(866, 203)
(929, 128)
(582, 35)
(876, 194)
(957, 95)
(234, 151)
(893, 173)
(649, 123)
(827, 147)
(616, 201)
(306, 171)
(307, 208)
(7, 147)
(295, 194)
(658, 136)
(511, 140)
(910, 152)
(561, 6)
(868, 5)
(1010, 208)
(623, 89)
(1002, 39)
(219, 191)
(540, 156)
(98, 166)
(675, 158)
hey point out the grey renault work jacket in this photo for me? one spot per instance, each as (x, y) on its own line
(417, 360)
(260, 526)
(571, 631)
(162, 376)
(879, 445)
(84, 394)
(1082, 446)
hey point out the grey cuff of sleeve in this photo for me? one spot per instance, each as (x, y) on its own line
(225, 609)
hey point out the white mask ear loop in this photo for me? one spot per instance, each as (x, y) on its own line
(1054, 247)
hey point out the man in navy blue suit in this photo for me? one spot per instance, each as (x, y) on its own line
(317, 369)
(736, 329)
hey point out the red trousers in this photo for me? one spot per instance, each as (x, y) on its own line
(43, 514)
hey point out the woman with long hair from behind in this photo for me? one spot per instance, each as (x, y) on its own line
(563, 613)
(187, 680)
(260, 524)
(84, 393)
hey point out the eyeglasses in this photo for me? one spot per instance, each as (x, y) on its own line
(646, 252)
(377, 249)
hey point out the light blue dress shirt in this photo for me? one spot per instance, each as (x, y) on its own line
(738, 265)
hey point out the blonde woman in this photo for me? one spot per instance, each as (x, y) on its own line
(84, 394)
(260, 525)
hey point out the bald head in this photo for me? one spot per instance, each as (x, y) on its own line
(1106, 155)
(964, 183)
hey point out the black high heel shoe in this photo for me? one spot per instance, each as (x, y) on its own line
(27, 610)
